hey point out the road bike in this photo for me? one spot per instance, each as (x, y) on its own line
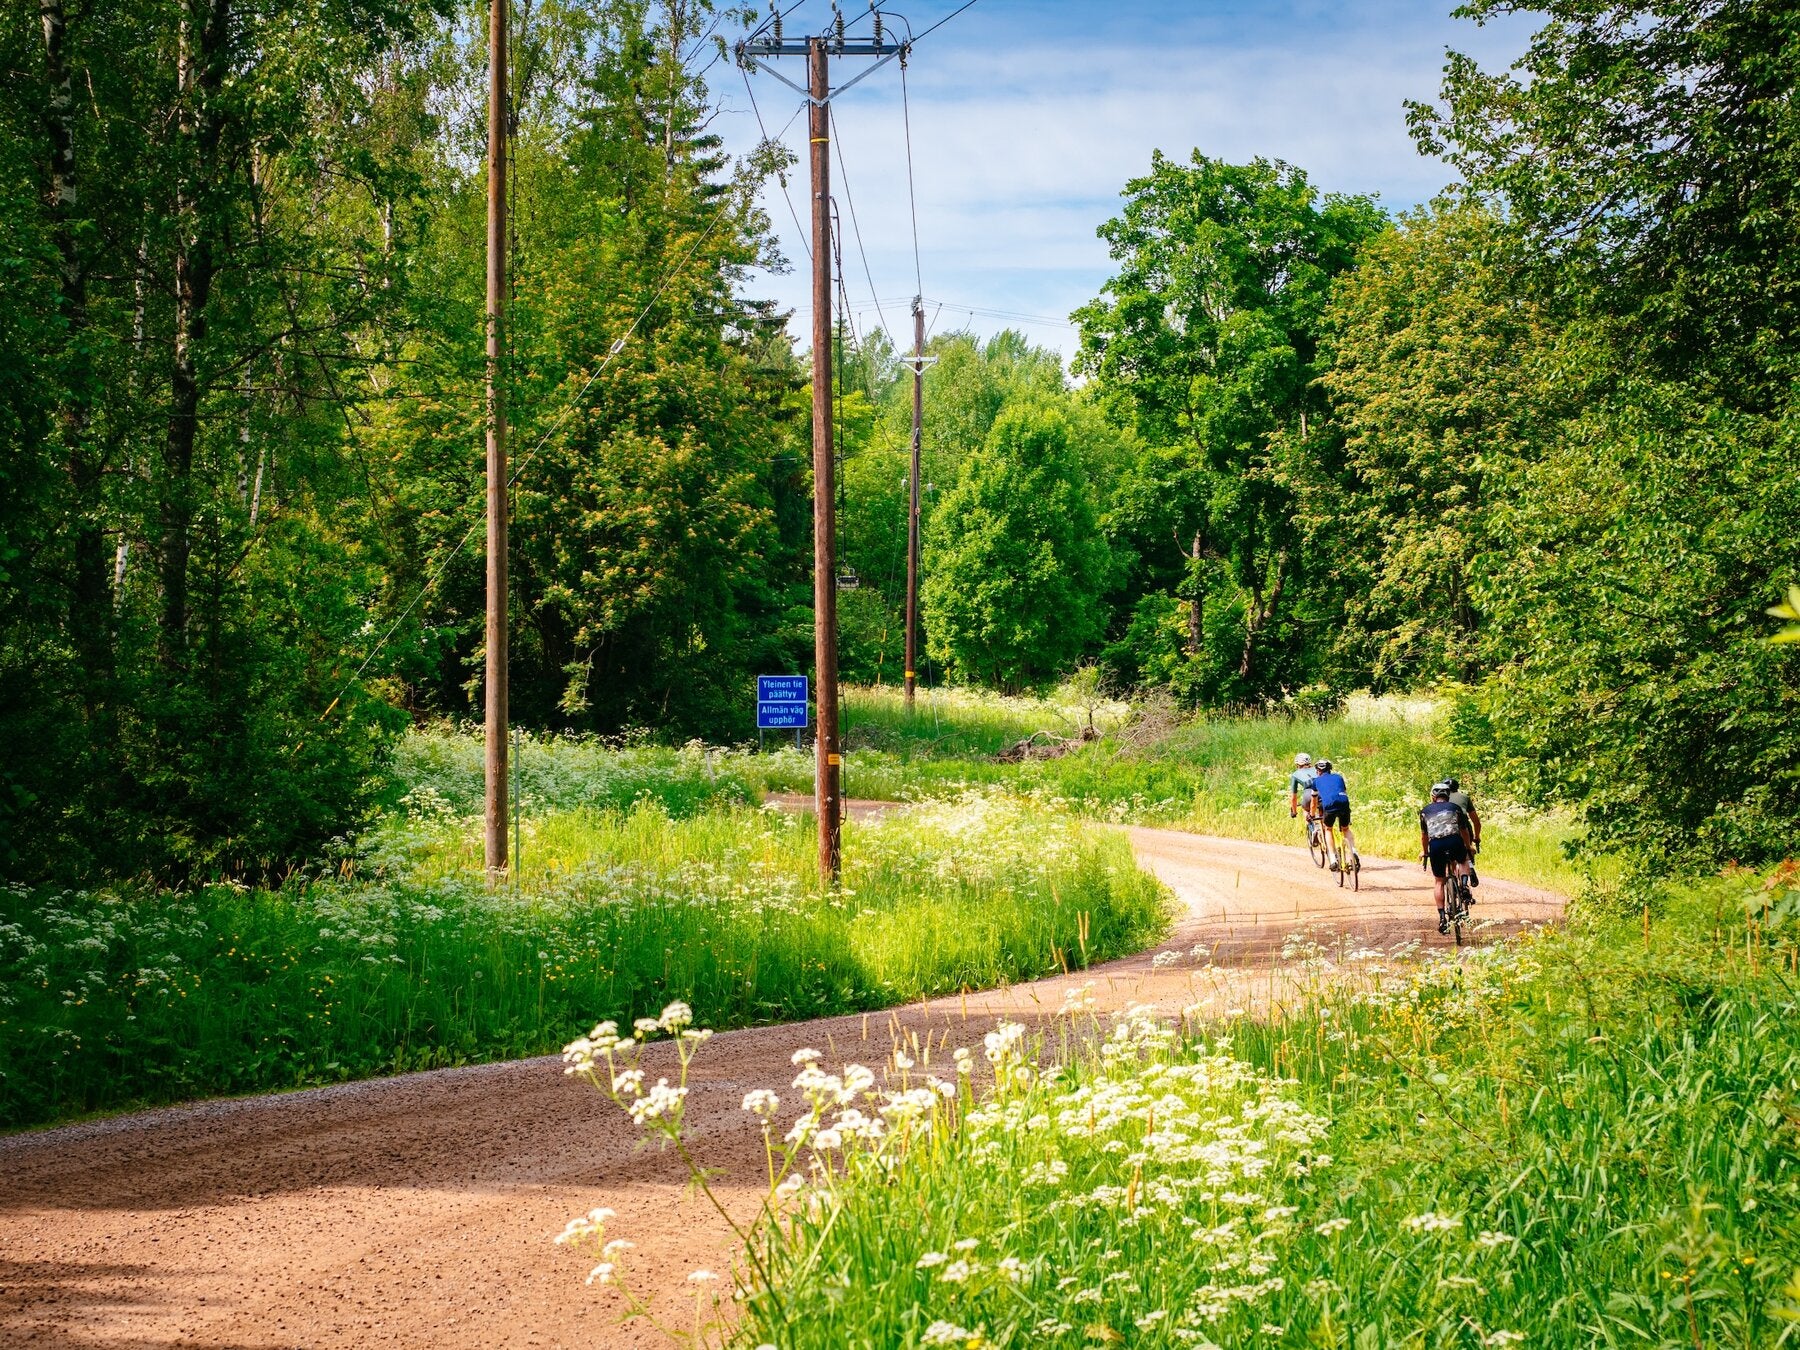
(1457, 900)
(1316, 841)
(1339, 859)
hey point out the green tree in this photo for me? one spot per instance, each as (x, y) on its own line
(1207, 341)
(1438, 373)
(1646, 155)
(1018, 564)
(1651, 153)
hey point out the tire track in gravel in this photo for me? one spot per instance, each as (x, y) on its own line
(417, 1211)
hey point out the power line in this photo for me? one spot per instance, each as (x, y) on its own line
(799, 231)
(941, 22)
(912, 199)
(850, 201)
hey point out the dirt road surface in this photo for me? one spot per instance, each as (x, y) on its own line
(419, 1211)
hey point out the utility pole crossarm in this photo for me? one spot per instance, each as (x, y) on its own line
(755, 53)
(753, 47)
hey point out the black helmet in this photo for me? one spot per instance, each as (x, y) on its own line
(1323, 766)
(1440, 790)
(1452, 784)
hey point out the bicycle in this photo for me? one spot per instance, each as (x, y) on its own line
(1457, 900)
(1344, 862)
(1316, 841)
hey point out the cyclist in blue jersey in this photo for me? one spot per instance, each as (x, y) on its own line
(1334, 806)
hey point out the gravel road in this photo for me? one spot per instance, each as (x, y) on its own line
(418, 1211)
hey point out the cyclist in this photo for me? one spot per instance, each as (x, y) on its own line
(1464, 800)
(1334, 807)
(1444, 840)
(1300, 787)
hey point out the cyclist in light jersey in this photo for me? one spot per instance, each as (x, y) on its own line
(1300, 787)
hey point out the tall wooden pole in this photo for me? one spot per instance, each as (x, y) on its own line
(912, 510)
(496, 683)
(828, 798)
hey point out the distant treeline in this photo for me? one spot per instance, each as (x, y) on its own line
(1533, 440)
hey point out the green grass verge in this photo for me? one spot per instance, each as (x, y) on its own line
(125, 997)
(1587, 1137)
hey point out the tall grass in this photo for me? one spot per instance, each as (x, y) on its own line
(1583, 1138)
(408, 961)
(440, 769)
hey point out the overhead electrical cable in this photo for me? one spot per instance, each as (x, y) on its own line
(946, 19)
(799, 230)
(912, 199)
(856, 229)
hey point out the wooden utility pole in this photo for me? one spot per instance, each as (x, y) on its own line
(912, 507)
(828, 774)
(828, 779)
(496, 684)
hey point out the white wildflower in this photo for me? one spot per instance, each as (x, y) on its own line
(1432, 1222)
(945, 1333)
(662, 1100)
(761, 1102)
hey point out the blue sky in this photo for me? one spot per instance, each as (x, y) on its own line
(1028, 119)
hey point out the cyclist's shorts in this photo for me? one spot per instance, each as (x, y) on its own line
(1336, 815)
(1445, 853)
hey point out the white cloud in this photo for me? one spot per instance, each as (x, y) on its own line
(1024, 138)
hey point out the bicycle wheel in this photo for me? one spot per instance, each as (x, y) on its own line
(1343, 866)
(1461, 908)
(1355, 871)
(1315, 843)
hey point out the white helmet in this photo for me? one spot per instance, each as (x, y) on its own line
(1302, 759)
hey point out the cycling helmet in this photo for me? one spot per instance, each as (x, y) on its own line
(1440, 789)
(1452, 784)
(1302, 759)
(1324, 766)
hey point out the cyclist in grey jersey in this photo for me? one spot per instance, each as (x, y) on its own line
(1300, 787)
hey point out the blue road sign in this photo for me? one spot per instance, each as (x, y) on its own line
(781, 702)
